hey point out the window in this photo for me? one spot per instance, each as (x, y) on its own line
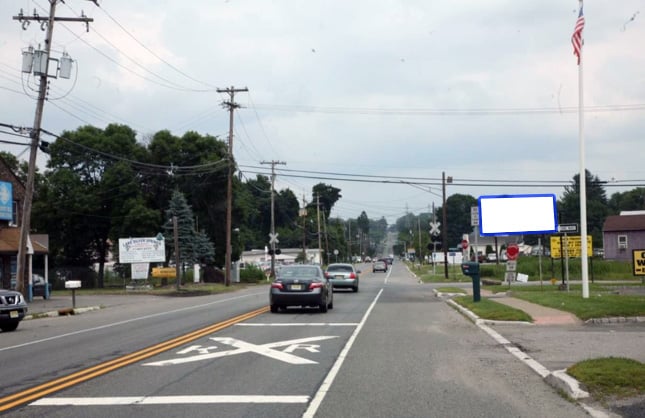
(622, 242)
(14, 220)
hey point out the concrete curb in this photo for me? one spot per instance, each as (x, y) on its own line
(62, 312)
(558, 379)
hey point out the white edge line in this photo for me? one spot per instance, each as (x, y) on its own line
(127, 321)
(163, 400)
(329, 379)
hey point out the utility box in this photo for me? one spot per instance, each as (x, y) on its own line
(471, 268)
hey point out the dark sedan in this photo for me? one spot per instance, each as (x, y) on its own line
(12, 309)
(301, 285)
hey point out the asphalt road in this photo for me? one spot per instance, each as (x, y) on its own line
(390, 350)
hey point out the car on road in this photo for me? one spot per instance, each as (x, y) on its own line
(343, 275)
(13, 309)
(379, 266)
(301, 285)
(491, 257)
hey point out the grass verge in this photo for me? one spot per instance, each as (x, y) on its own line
(451, 290)
(487, 309)
(610, 378)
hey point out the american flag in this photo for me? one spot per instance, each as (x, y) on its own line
(576, 38)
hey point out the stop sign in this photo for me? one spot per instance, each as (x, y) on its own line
(512, 251)
(464, 244)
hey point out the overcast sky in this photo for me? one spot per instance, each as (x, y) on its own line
(483, 90)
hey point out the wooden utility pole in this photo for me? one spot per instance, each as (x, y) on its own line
(318, 220)
(231, 105)
(273, 237)
(25, 224)
(178, 262)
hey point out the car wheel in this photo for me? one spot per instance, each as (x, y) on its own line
(274, 308)
(355, 289)
(331, 304)
(323, 307)
(9, 326)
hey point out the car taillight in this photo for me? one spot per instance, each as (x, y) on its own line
(315, 285)
(277, 286)
(352, 276)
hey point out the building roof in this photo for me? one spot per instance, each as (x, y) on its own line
(620, 223)
(10, 240)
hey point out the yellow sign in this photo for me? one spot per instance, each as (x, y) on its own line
(639, 262)
(164, 272)
(573, 245)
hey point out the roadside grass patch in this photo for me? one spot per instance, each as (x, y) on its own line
(610, 378)
(451, 290)
(488, 309)
(598, 305)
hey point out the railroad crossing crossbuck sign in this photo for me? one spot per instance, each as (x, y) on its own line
(434, 228)
(273, 238)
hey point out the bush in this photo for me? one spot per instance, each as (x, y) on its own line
(251, 274)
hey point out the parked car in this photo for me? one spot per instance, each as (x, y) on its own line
(301, 285)
(379, 266)
(491, 257)
(38, 283)
(343, 275)
(13, 309)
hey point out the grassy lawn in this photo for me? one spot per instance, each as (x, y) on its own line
(488, 309)
(598, 305)
(610, 378)
(188, 289)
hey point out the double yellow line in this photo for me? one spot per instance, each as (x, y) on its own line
(36, 392)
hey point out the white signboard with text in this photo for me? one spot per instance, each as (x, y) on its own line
(142, 250)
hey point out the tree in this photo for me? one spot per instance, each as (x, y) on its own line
(631, 200)
(327, 195)
(458, 217)
(597, 205)
(194, 247)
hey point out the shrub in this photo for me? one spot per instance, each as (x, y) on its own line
(251, 274)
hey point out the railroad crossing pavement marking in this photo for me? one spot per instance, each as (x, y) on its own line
(204, 353)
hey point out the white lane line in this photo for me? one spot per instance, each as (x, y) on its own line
(167, 400)
(300, 324)
(329, 379)
(114, 324)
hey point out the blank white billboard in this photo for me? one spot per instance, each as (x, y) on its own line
(517, 214)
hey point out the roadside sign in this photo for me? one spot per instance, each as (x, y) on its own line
(512, 251)
(639, 262)
(474, 216)
(511, 265)
(464, 244)
(573, 228)
(434, 228)
(273, 238)
(572, 243)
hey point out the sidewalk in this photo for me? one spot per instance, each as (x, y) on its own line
(541, 315)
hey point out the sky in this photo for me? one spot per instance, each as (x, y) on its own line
(379, 98)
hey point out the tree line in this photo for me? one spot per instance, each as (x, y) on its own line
(100, 185)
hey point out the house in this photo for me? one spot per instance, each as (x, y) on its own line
(287, 256)
(12, 195)
(623, 233)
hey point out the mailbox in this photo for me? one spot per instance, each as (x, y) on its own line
(470, 268)
(72, 284)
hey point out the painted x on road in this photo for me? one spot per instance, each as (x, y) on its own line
(268, 350)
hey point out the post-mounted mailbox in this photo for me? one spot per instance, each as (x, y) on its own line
(471, 269)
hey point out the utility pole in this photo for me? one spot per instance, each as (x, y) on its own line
(319, 237)
(231, 105)
(303, 214)
(273, 236)
(25, 225)
(445, 223)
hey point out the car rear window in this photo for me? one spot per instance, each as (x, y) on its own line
(302, 272)
(347, 269)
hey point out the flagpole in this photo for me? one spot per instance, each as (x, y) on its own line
(582, 182)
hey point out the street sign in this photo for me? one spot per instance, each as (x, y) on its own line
(511, 265)
(512, 251)
(568, 228)
(273, 238)
(464, 244)
(434, 228)
(474, 216)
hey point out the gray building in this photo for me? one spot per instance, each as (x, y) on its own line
(623, 233)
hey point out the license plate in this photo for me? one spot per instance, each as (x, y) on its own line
(339, 276)
(13, 314)
(296, 287)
